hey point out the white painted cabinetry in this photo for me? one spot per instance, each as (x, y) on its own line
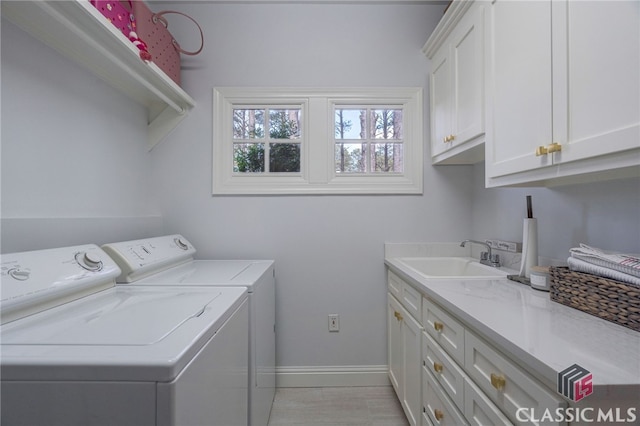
(446, 374)
(563, 99)
(456, 80)
(404, 349)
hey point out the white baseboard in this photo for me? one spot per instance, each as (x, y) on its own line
(348, 375)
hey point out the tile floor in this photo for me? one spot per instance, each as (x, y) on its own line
(341, 406)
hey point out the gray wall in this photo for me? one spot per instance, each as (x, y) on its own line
(603, 214)
(75, 168)
(328, 249)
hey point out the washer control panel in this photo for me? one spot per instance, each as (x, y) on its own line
(140, 258)
(89, 261)
(44, 278)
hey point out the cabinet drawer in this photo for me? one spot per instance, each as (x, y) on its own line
(479, 410)
(437, 406)
(444, 369)
(394, 284)
(411, 300)
(509, 387)
(445, 330)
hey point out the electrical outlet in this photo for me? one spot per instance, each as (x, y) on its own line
(334, 322)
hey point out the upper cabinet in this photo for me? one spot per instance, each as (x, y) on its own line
(563, 92)
(77, 30)
(456, 80)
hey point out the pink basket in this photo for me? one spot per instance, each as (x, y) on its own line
(119, 13)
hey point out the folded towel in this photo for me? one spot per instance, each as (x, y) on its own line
(625, 263)
(589, 268)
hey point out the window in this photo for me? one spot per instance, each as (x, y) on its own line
(266, 147)
(313, 141)
(369, 140)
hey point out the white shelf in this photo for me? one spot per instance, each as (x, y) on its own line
(77, 30)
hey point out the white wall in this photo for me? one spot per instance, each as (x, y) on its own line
(601, 214)
(74, 163)
(328, 249)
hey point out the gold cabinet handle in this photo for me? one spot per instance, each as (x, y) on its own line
(437, 367)
(398, 315)
(498, 381)
(554, 147)
(438, 326)
(439, 415)
(541, 150)
(544, 150)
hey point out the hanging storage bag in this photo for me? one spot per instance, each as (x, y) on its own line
(163, 47)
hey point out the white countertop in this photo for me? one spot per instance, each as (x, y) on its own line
(544, 337)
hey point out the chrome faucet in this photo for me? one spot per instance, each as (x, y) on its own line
(486, 258)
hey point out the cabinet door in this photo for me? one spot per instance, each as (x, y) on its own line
(412, 337)
(467, 56)
(395, 350)
(596, 78)
(518, 86)
(440, 86)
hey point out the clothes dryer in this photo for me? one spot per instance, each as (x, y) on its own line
(79, 350)
(170, 261)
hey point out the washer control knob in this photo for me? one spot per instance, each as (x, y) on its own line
(181, 244)
(89, 261)
(19, 274)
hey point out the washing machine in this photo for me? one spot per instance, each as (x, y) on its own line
(170, 261)
(79, 350)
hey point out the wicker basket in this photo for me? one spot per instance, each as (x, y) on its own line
(602, 297)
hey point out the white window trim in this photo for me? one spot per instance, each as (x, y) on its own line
(317, 153)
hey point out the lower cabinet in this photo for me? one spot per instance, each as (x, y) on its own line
(395, 347)
(404, 351)
(445, 374)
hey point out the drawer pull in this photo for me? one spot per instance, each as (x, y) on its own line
(498, 381)
(554, 147)
(437, 367)
(541, 150)
(439, 415)
(398, 315)
(438, 326)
